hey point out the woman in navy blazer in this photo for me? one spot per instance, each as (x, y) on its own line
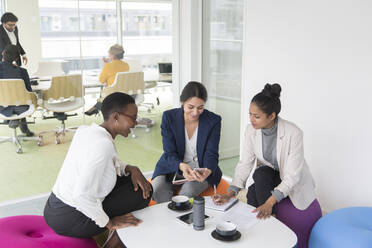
(191, 135)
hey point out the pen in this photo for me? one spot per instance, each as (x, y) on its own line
(215, 192)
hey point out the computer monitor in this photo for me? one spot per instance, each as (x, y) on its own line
(165, 68)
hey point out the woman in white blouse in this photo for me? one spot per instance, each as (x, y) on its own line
(276, 147)
(95, 191)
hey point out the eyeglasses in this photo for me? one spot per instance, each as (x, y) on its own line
(11, 24)
(133, 118)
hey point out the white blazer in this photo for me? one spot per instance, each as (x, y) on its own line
(297, 182)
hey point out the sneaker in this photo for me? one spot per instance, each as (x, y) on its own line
(29, 133)
(24, 128)
(92, 111)
(145, 121)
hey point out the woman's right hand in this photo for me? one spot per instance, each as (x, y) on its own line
(123, 221)
(220, 199)
(106, 60)
(187, 172)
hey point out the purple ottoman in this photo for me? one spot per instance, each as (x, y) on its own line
(299, 221)
(31, 231)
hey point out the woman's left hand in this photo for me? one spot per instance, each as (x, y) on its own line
(201, 174)
(139, 180)
(266, 209)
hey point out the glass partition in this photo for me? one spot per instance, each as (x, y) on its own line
(75, 35)
(222, 65)
(59, 29)
(147, 31)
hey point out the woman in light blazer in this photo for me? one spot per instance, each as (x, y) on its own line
(276, 147)
(191, 136)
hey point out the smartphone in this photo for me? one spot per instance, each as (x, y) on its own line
(178, 179)
(187, 218)
(199, 170)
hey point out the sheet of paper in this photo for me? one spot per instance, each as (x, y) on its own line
(210, 204)
(241, 215)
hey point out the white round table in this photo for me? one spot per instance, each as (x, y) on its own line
(160, 228)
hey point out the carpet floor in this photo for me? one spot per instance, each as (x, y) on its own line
(34, 172)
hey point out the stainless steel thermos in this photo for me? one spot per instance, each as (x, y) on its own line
(199, 212)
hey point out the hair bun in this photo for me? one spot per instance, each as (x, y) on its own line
(272, 90)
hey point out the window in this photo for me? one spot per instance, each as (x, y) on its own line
(147, 31)
(2, 7)
(222, 63)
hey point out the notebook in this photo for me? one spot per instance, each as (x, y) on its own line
(210, 204)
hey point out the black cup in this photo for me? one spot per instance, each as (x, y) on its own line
(180, 201)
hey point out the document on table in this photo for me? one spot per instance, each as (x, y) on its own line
(210, 204)
(241, 215)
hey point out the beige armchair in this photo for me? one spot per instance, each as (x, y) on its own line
(13, 93)
(131, 83)
(64, 95)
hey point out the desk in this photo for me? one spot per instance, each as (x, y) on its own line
(45, 84)
(90, 80)
(154, 76)
(160, 228)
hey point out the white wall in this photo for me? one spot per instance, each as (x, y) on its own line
(27, 12)
(320, 52)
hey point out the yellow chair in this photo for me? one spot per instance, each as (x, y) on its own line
(13, 93)
(64, 95)
(131, 83)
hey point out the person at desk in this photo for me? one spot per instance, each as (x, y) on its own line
(9, 35)
(94, 190)
(191, 136)
(112, 65)
(10, 70)
(277, 146)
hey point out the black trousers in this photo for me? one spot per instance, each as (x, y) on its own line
(68, 221)
(265, 180)
(16, 110)
(98, 106)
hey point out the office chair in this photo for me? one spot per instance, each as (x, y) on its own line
(136, 66)
(13, 93)
(131, 83)
(65, 94)
(49, 68)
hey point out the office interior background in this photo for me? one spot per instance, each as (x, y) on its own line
(318, 51)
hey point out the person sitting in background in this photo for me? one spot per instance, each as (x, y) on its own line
(95, 191)
(112, 65)
(10, 70)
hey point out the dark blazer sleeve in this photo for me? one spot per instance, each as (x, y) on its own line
(169, 144)
(210, 159)
(26, 79)
(3, 41)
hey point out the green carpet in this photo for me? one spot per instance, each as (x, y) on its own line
(34, 172)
